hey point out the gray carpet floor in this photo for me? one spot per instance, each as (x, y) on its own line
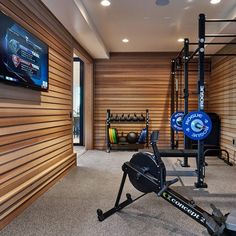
(69, 207)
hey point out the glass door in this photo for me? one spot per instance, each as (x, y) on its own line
(78, 108)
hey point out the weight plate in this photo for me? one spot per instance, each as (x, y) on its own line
(111, 135)
(197, 125)
(109, 131)
(115, 136)
(176, 120)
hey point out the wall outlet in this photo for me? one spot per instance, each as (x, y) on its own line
(234, 142)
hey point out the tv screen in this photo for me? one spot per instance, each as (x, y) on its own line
(23, 57)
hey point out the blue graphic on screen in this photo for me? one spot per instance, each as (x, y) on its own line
(23, 57)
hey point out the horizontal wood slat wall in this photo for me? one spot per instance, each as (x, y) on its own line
(35, 127)
(132, 83)
(222, 97)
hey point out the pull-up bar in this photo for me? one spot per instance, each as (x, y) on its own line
(215, 43)
(218, 55)
(221, 35)
(222, 55)
(220, 20)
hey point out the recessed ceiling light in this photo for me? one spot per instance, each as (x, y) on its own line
(105, 3)
(125, 40)
(180, 40)
(162, 2)
(215, 1)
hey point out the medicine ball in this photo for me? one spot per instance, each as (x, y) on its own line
(132, 137)
(122, 139)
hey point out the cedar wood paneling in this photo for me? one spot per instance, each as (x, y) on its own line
(132, 83)
(222, 97)
(36, 146)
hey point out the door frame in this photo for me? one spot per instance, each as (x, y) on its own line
(81, 109)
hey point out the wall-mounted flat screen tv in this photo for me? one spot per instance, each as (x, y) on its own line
(23, 57)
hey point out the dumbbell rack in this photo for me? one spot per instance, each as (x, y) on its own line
(127, 146)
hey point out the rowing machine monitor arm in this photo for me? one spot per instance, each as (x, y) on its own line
(153, 140)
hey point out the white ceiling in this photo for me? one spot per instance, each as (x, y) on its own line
(150, 28)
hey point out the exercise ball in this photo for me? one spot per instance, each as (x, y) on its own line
(132, 137)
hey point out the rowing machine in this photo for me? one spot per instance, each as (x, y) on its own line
(147, 173)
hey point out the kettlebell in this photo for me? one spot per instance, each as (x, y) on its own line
(135, 118)
(111, 117)
(122, 118)
(117, 118)
(141, 118)
(128, 117)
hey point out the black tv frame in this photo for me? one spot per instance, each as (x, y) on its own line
(25, 85)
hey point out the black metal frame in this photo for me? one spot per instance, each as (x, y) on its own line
(176, 74)
(201, 87)
(200, 54)
(186, 94)
(81, 135)
(184, 57)
(108, 125)
(201, 99)
(172, 77)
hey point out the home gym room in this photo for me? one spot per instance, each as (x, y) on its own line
(117, 117)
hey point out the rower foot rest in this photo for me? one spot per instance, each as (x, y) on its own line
(216, 212)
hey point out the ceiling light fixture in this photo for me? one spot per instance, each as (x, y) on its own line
(105, 3)
(125, 40)
(180, 40)
(215, 1)
(162, 2)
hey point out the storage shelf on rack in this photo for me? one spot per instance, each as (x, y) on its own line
(125, 146)
(128, 122)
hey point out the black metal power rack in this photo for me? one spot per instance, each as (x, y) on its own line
(199, 54)
(135, 146)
